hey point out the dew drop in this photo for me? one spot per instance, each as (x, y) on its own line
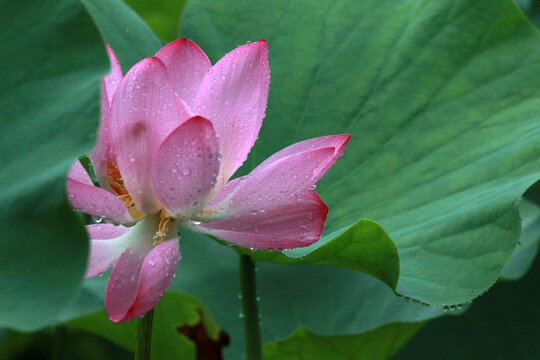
(195, 222)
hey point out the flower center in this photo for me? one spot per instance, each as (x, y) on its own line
(117, 184)
(163, 223)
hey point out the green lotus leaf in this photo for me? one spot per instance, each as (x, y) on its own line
(441, 100)
(48, 116)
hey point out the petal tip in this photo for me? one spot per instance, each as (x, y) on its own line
(176, 43)
(147, 64)
(113, 316)
(344, 142)
(201, 120)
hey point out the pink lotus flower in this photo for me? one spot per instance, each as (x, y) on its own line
(173, 131)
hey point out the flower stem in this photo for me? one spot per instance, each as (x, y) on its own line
(250, 309)
(144, 336)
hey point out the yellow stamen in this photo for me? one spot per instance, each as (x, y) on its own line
(117, 185)
(163, 223)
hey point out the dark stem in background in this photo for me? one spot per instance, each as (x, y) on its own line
(250, 309)
(59, 337)
(144, 336)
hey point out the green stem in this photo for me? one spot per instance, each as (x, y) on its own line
(144, 336)
(250, 310)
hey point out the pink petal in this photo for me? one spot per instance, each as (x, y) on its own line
(86, 197)
(280, 178)
(114, 77)
(102, 154)
(185, 167)
(124, 281)
(157, 272)
(78, 172)
(105, 231)
(126, 277)
(233, 96)
(297, 224)
(338, 142)
(187, 65)
(144, 112)
(183, 109)
(107, 243)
